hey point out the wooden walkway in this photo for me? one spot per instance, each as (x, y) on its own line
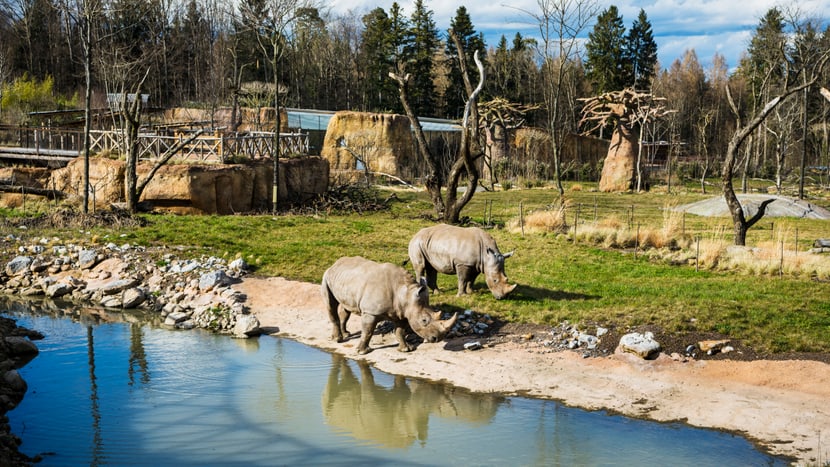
(35, 156)
(45, 147)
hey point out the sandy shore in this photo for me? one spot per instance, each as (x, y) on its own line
(782, 405)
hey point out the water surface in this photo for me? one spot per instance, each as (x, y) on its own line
(114, 392)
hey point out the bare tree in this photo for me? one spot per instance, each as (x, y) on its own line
(131, 112)
(740, 223)
(561, 22)
(469, 151)
(273, 30)
(498, 116)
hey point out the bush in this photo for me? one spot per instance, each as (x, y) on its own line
(26, 94)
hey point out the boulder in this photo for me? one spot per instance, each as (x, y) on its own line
(132, 297)
(18, 265)
(21, 347)
(59, 289)
(246, 326)
(87, 259)
(642, 345)
(383, 141)
(213, 279)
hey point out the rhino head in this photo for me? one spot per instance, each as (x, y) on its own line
(425, 321)
(494, 273)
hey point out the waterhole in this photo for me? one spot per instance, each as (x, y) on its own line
(113, 389)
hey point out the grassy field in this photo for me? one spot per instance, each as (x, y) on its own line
(560, 276)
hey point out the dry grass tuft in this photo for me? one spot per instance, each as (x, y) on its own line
(547, 220)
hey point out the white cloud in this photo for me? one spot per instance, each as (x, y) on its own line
(707, 26)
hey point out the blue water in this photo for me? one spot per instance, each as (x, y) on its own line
(113, 391)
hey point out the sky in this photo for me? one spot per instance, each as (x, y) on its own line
(707, 26)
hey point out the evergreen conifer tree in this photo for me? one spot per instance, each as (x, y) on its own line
(607, 65)
(642, 52)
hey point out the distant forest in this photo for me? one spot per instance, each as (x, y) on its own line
(212, 53)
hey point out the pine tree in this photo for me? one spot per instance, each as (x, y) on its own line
(764, 51)
(606, 64)
(498, 70)
(642, 52)
(378, 59)
(456, 95)
(420, 51)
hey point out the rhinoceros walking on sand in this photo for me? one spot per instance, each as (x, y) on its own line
(379, 291)
(465, 251)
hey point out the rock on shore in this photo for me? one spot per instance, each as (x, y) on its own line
(190, 293)
(187, 293)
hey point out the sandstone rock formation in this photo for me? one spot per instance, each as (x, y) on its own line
(382, 142)
(200, 189)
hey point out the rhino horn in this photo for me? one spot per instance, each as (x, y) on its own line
(448, 324)
(509, 254)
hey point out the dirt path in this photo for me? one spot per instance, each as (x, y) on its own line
(783, 405)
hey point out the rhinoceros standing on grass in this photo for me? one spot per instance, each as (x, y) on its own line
(379, 291)
(465, 251)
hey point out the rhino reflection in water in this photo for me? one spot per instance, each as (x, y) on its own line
(379, 291)
(395, 416)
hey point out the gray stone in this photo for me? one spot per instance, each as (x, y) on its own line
(642, 345)
(588, 341)
(87, 259)
(59, 289)
(118, 286)
(213, 279)
(18, 265)
(14, 381)
(111, 301)
(238, 264)
(175, 318)
(31, 291)
(132, 297)
(246, 326)
(21, 346)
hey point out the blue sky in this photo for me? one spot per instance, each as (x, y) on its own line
(707, 26)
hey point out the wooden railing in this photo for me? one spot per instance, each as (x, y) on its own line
(205, 149)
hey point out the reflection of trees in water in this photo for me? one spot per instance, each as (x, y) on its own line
(93, 399)
(138, 358)
(396, 416)
(91, 317)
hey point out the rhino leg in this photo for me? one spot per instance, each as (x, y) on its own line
(344, 315)
(334, 307)
(466, 277)
(400, 334)
(432, 278)
(368, 324)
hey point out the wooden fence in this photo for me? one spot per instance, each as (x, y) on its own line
(206, 149)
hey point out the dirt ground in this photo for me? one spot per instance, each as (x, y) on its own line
(782, 404)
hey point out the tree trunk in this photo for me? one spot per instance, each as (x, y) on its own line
(618, 168)
(470, 149)
(432, 182)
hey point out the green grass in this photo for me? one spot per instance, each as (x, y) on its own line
(559, 280)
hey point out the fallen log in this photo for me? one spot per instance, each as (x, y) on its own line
(27, 190)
